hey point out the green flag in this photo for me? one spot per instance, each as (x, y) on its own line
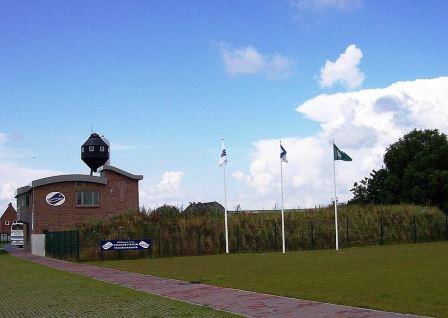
(340, 155)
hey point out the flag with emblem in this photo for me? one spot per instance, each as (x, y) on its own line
(223, 163)
(223, 159)
(340, 155)
(283, 154)
(337, 155)
(282, 159)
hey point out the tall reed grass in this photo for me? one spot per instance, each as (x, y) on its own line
(175, 234)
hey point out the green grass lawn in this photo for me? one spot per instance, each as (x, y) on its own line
(411, 278)
(31, 290)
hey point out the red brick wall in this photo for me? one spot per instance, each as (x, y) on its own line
(9, 215)
(119, 195)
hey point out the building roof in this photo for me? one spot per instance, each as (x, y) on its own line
(76, 177)
(10, 208)
(122, 172)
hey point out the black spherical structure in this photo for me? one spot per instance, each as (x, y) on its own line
(95, 152)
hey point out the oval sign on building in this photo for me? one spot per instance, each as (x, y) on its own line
(55, 198)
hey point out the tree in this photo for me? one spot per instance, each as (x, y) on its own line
(167, 211)
(416, 171)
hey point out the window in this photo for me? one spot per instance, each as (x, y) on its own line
(91, 148)
(79, 184)
(87, 198)
(17, 227)
(82, 149)
(102, 148)
(24, 200)
(6, 222)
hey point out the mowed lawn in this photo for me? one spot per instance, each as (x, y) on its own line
(31, 290)
(411, 278)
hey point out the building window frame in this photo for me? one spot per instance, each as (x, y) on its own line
(87, 199)
(24, 200)
(91, 148)
(6, 222)
(102, 148)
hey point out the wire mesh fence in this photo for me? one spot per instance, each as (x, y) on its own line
(62, 245)
(5, 238)
(183, 234)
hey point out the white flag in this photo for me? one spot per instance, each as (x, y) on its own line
(223, 159)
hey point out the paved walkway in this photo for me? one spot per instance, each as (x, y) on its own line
(246, 303)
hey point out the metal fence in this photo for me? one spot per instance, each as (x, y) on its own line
(5, 238)
(202, 235)
(62, 245)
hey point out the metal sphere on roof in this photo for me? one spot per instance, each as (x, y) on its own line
(95, 152)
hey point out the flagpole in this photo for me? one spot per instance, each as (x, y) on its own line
(283, 211)
(335, 201)
(225, 209)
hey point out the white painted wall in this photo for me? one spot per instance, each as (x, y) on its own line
(38, 244)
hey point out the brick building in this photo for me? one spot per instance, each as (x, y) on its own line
(9, 216)
(60, 202)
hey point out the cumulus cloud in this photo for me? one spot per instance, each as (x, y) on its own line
(167, 191)
(362, 123)
(344, 70)
(170, 180)
(247, 60)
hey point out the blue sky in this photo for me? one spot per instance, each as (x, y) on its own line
(152, 77)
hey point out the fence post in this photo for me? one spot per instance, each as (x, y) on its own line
(446, 226)
(238, 237)
(159, 245)
(70, 241)
(381, 231)
(347, 233)
(312, 234)
(415, 230)
(79, 243)
(119, 238)
(275, 235)
(199, 240)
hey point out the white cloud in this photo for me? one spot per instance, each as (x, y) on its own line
(238, 175)
(362, 123)
(168, 190)
(325, 4)
(278, 67)
(247, 60)
(344, 70)
(14, 175)
(171, 180)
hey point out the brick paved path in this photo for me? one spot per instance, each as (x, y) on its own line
(250, 304)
